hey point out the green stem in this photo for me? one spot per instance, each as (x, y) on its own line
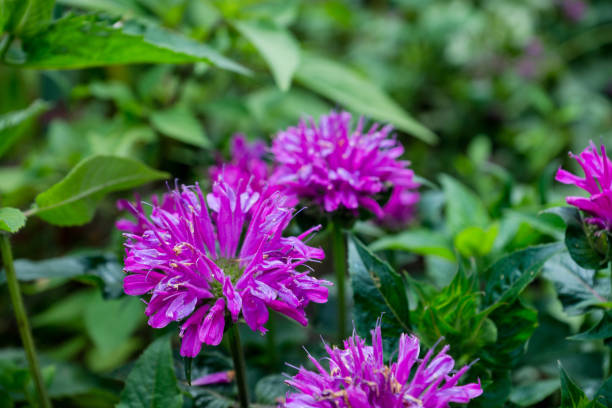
(339, 255)
(239, 366)
(22, 320)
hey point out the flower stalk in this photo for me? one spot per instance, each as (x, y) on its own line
(339, 254)
(239, 366)
(22, 320)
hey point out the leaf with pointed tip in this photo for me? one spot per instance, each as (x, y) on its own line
(341, 84)
(378, 291)
(600, 331)
(73, 200)
(83, 41)
(276, 45)
(511, 274)
(11, 219)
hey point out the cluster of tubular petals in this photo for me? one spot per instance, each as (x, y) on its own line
(357, 377)
(203, 261)
(597, 182)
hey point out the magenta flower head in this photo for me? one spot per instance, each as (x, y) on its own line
(358, 378)
(206, 261)
(597, 182)
(337, 166)
(246, 163)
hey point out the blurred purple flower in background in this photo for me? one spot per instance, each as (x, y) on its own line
(246, 163)
(597, 182)
(335, 165)
(205, 267)
(574, 10)
(358, 378)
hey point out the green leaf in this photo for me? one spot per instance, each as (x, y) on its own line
(14, 125)
(419, 241)
(11, 219)
(269, 389)
(105, 329)
(602, 330)
(378, 291)
(104, 269)
(604, 394)
(34, 16)
(152, 382)
(529, 394)
(578, 288)
(7, 10)
(179, 123)
(571, 395)
(73, 200)
(74, 42)
(463, 208)
(511, 274)
(343, 85)
(586, 248)
(476, 241)
(276, 45)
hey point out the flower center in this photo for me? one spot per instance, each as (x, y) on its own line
(231, 268)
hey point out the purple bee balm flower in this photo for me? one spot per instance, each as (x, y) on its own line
(221, 377)
(358, 378)
(336, 166)
(400, 208)
(206, 261)
(247, 162)
(597, 182)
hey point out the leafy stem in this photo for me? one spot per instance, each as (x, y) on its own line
(22, 320)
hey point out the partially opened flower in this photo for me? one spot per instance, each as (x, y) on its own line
(597, 182)
(401, 206)
(208, 261)
(357, 377)
(337, 166)
(246, 163)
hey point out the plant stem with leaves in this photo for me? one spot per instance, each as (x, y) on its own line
(339, 255)
(239, 366)
(22, 320)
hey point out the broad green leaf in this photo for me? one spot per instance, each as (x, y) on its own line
(604, 394)
(511, 274)
(276, 45)
(11, 219)
(117, 7)
(586, 247)
(7, 10)
(269, 389)
(68, 44)
(529, 394)
(102, 268)
(152, 382)
(601, 330)
(571, 395)
(13, 125)
(73, 200)
(179, 123)
(463, 208)
(578, 288)
(341, 84)
(544, 222)
(419, 241)
(33, 15)
(378, 291)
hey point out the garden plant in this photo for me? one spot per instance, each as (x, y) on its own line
(305, 204)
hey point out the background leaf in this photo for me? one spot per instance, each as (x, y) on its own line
(34, 16)
(463, 208)
(276, 45)
(379, 293)
(344, 86)
(88, 41)
(179, 123)
(418, 241)
(73, 200)
(13, 125)
(11, 219)
(152, 382)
